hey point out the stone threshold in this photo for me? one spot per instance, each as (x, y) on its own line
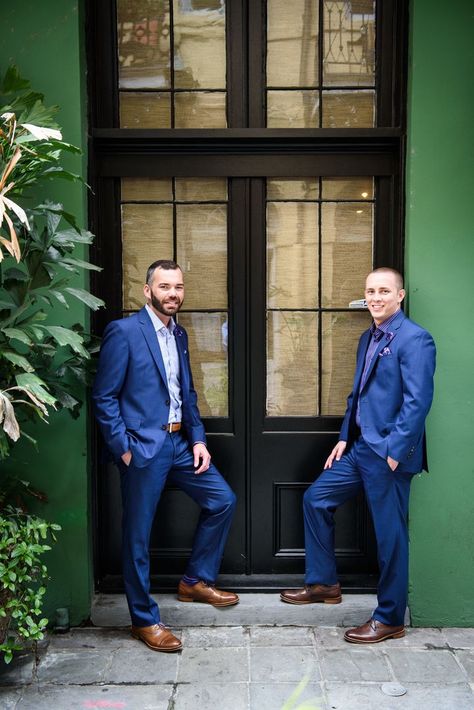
(254, 609)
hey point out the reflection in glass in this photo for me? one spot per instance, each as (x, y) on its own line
(349, 43)
(340, 335)
(200, 189)
(292, 364)
(143, 40)
(292, 43)
(354, 188)
(292, 189)
(201, 232)
(146, 189)
(292, 109)
(200, 109)
(348, 109)
(208, 343)
(199, 46)
(347, 239)
(147, 235)
(145, 109)
(292, 255)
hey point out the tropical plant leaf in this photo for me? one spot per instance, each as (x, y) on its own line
(78, 263)
(18, 334)
(65, 336)
(92, 301)
(17, 359)
(35, 386)
(7, 417)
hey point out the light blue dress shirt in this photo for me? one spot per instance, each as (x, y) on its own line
(169, 353)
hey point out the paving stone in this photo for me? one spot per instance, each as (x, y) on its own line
(94, 638)
(420, 638)
(466, 659)
(141, 665)
(89, 697)
(329, 637)
(281, 636)
(459, 638)
(266, 696)
(214, 665)
(215, 636)
(280, 665)
(231, 696)
(354, 664)
(413, 666)
(75, 667)
(18, 671)
(352, 696)
(9, 698)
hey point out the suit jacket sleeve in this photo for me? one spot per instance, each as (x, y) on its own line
(112, 369)
(417, 360)
(191, 416)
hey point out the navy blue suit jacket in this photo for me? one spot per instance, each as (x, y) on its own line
(130, 393)
(396, 395)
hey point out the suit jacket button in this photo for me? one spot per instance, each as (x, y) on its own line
(167, 402)
(163, 426)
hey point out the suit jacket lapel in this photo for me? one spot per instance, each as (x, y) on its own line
(183, 363)
(384, 342)
(152, 341)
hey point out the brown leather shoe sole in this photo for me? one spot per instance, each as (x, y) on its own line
(333, 600)
(231, 602)
(157, 648)
(395, 635)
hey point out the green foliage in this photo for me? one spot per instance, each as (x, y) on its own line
(42, 366)
(23, 540)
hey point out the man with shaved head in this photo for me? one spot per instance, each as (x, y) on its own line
(381, 446)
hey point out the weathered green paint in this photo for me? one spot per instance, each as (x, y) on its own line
(45, 40)
(440, 270)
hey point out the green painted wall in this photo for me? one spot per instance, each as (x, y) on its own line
(440, 271)
(45, 40)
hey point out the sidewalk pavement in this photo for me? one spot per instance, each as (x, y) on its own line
(229, 664)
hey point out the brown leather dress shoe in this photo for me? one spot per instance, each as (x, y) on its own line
(157, 637)
(313, 593)
(374, 632)
(206, 593)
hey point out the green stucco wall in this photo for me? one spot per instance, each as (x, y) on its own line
(45, 40)
(440, 271)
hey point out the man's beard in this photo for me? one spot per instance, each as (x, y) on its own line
(158, 305)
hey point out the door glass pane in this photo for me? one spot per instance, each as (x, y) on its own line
(199, 44)
(349, 43)
(147, 235)
(145, 109)
(292, 109)
(200, 109)
(292, 364)
(293, 189)
(340, 335)
(347, 238)
(201, 189)
(348, 109)
(292, 255)
(147, 190)
(292, 43)
(354, 188)
(143, 40)
(208, 342)
(201, 232)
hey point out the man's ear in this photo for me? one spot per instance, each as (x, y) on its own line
(401, 294)
(147, 291)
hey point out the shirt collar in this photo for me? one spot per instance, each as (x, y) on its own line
(158, 323)
(379, 330)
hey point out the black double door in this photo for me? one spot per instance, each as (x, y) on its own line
(267, 449)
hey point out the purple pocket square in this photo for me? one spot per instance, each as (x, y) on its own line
(385, 351)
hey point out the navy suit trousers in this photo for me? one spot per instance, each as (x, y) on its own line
(141, 491)
(387, 493)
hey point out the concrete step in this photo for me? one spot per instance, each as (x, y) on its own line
(253, 609)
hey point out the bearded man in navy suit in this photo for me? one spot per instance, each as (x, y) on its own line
(381, 446)
(146, 406)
